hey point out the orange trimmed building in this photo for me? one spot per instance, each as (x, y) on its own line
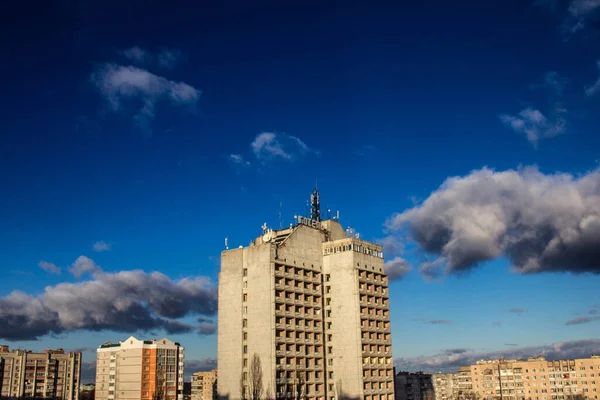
(140, 370)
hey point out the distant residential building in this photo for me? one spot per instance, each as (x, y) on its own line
(50, 374)
(531, 379)
(204, 385)
(139, 369)
(443, 386)
(413, 386)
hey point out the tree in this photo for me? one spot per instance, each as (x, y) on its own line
(300, 386)
(339, 389)
(255, 381)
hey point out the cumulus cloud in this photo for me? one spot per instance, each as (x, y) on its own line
(594, 87)
(126, 301)
(535, 125)
(268, 146)
(450, 362)
(100, 246)
(397, 268)
(120, 84)
(84, 265)
(49, 267)
(582, 320)
(541, 223)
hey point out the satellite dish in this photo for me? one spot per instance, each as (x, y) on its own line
(268, 236)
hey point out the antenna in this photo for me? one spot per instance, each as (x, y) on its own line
(280, 222)
(315, 205)
(226, 243)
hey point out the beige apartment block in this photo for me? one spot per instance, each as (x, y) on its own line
(51, 374)
(204, 385)
(313, 303)
(139, 370)
(531, 379)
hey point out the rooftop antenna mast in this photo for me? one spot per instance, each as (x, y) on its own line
(280, 222)
(315, 205)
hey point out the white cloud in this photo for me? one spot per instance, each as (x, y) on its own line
(595, 87)
(84, 265)
(541, 223)
(100, 246)
(49, 267)
(267, 146)
(238, 159)
(534, 124)
(119, 84)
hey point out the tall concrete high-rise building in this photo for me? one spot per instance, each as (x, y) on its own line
(139, 369)
(311, 301)
(50, 374)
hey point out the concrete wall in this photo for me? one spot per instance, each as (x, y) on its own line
(345, 324)
(229, 343)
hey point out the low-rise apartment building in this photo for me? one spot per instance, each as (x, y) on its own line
(204, 385)
(50, 374)
(531, 379)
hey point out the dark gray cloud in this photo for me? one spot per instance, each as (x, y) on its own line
(455, 351)
(497, 323)
(397, 268)
(450, 362)
(204, 364)
(126, 301)
(541, 223)
(582, 320)
(88, 371)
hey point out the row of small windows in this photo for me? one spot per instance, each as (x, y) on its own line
(373, 312)
(353, 247)
(299, 335)
(375, 336)
(297, 283)
(299, 272)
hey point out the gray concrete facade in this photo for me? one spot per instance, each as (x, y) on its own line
(313, 304)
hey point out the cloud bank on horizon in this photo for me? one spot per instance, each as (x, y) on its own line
(539, 222)
(450, 360)
(125, 301)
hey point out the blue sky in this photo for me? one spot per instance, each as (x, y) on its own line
(154, 132)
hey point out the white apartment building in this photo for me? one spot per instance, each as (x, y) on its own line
(139, 369)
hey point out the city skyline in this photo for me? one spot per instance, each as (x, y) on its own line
(134, 142)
